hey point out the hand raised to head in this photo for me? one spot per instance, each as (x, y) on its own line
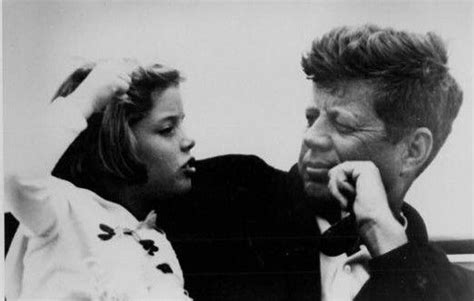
(108, 80)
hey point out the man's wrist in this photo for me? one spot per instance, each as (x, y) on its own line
(383, 235)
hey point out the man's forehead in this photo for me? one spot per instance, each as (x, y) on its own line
(354, 95)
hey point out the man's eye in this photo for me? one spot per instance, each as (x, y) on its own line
(344, 128)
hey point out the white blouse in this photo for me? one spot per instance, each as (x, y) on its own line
(72, 244)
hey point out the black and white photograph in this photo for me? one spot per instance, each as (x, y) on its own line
(237, 150)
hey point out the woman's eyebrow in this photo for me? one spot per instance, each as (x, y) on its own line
(170, 117)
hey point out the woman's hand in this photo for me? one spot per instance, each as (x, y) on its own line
(377, 226)
(108, 80)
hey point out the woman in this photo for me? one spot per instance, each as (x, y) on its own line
(72, 243)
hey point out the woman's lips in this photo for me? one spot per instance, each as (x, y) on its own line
(189, 168)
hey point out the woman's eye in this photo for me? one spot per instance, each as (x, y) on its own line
(166, 131)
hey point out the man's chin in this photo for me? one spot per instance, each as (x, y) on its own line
(319, 195)
(316, 190)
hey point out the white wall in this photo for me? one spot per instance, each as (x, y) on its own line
(245, 91)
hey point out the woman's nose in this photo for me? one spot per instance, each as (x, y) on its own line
(187, 144)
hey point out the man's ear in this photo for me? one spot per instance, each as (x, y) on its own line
(418, 146)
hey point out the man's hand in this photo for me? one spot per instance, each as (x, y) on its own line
(377, 226)
(108, 80)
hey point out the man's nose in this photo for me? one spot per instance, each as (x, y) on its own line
(318, 136)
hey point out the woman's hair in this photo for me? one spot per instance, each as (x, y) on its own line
(104, 156)
(408, 73)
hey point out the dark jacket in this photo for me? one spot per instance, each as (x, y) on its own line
(246, 232)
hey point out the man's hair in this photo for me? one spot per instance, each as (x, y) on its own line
(408, 73)
(104, 156)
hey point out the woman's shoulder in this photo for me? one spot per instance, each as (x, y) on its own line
(84, 205)
(82, 197)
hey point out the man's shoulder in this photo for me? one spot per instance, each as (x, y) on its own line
(244, 184)
(232, 160)
(236, 168)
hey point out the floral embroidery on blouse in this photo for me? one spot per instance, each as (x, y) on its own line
(147, 244)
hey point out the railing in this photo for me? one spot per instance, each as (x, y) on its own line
(460, 251)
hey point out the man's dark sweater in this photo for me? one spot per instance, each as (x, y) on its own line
(247, 232)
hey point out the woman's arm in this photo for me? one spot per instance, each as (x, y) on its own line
(26, 187)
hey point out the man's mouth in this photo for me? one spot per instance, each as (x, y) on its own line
(317, 172)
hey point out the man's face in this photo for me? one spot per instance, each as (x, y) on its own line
(343, 126)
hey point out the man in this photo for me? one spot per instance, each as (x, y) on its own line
(383, 104)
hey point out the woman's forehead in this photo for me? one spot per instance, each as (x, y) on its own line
(166, 104)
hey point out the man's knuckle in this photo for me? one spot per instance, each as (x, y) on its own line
(370, 166)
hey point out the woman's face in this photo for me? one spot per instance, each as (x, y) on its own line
(163, 145)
